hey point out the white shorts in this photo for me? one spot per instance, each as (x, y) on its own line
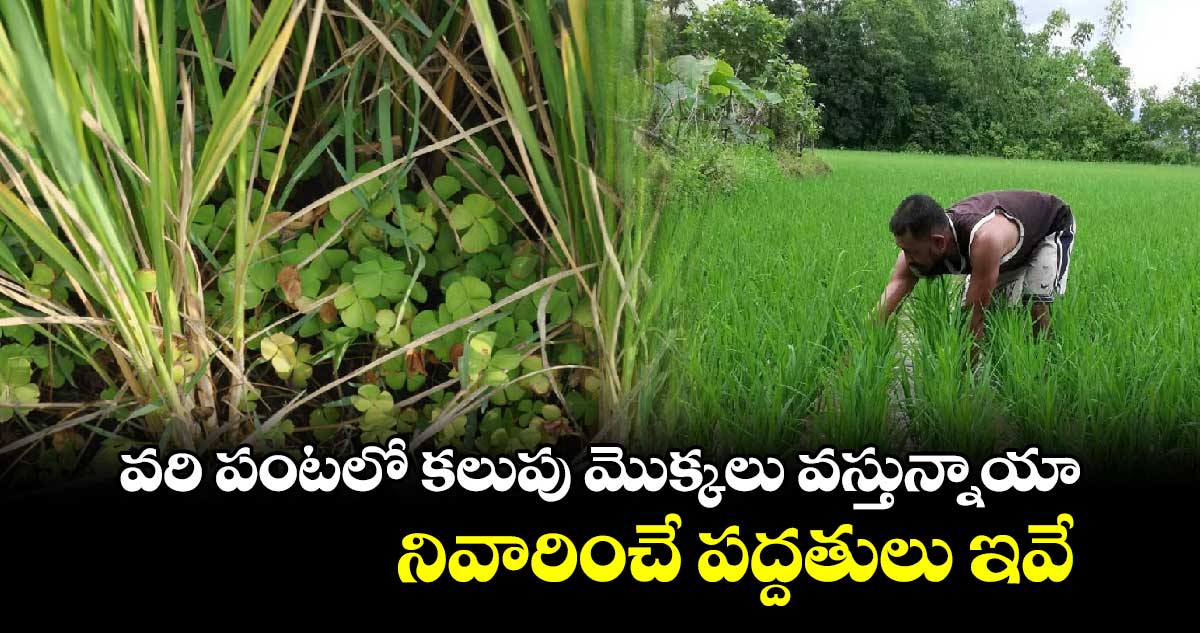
(1042, 278)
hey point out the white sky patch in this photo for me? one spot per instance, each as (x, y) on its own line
(1159, 44)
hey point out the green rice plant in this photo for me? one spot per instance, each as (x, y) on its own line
(951, 404)
(104, 175)
(583, 95)
(563, 86)
(860, 409)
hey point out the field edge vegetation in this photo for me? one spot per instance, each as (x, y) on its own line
(282, 223)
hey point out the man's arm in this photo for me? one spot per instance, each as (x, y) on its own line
(985, 270)
(899, 285)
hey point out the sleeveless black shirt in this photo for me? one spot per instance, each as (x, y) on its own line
(1037, 214)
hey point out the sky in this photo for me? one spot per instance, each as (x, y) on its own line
(1160, 43)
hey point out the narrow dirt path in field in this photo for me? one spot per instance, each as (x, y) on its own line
(907, 336)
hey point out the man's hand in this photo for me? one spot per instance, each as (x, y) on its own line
(975, 354)
(901, 282)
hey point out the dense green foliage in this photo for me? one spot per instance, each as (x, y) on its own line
(955, 77)
(775, 279)
(290, 222)
(727, 76)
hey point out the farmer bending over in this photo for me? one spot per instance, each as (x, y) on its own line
(1011, 245)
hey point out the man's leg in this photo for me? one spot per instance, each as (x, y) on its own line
(1040, 311)
(1046, 277)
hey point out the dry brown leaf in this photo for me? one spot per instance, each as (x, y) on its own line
(289, 281)
(275, 218)
(315, 216)
(328, 312)
(416, 361)
(456, 351)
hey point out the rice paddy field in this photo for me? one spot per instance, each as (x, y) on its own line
(772, 348)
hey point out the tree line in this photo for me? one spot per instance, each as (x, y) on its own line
(959, 77)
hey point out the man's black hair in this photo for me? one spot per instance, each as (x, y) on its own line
(918, 214)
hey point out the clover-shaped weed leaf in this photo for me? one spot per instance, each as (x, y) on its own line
(506, 330)
(277, 435)
(530, 437)
(377, 408)
(474, 216)
(445, 249)
(485, 264)
(202, 222)
(372, 401)
(303, 369)
(467, 170)
(495, 156)
(37, 355)
(392, 330)
(421, 226)
(558, 309)
(272, 139)
(386, 277)
(324, 423)
(406, 420)
(280, 349)
(425, 322)
(396, 375)
(502, 362)
(314, 324)
(41, 280)
(538, 383)
(260, 278)
(506, 359)
(520, 270)
(428, 321)
(453, 432)
(526, 309)
(516, 184)
(466, 296)
(319, 267)
(15, 386)
(250, 399)
(348, 202)
(22, 334)
(492, 420)
(288, 280)
(354, 310)
(446, 186)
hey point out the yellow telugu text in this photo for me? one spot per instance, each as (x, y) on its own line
(772, 560)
